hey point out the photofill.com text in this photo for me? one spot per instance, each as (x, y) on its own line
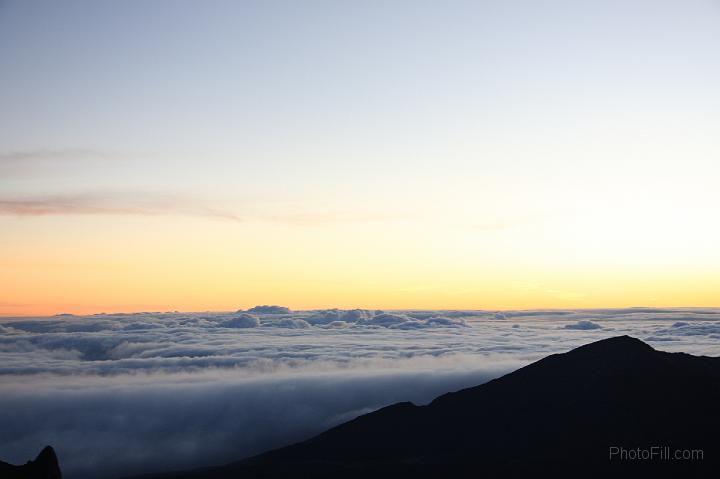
(655, 453)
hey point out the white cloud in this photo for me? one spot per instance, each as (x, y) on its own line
(268, 309)
(292, 323)
(103, 388)
(243, 320)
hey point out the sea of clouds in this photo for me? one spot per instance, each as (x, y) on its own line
(120, 394)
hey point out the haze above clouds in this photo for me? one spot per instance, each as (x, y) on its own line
(127, 393)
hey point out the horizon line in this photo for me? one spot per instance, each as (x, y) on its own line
(240, 310)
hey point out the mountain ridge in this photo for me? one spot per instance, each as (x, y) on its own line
(562, 413)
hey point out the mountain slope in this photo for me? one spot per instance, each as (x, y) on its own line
(559, 416)
(45, 466)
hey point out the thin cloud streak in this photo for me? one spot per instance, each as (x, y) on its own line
(322, 218)
(142, 204)
(48, 155)
(114, 204)
(41, 162)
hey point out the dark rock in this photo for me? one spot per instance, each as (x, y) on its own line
(45, 466)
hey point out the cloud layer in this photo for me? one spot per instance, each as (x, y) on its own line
(126, 393)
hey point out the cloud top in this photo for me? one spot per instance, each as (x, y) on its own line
(129, 393)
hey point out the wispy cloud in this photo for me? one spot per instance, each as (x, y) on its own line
(143, 204)
(111, 204)
(54, 163)
(324, 218)
(46, 155)
(39, 162)
(42, 161)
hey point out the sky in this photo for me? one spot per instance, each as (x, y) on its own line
(177, 155)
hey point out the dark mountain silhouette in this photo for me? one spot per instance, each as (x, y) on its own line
(45, 466)
(557, 417)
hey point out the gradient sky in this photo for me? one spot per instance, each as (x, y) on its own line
(163, 155)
